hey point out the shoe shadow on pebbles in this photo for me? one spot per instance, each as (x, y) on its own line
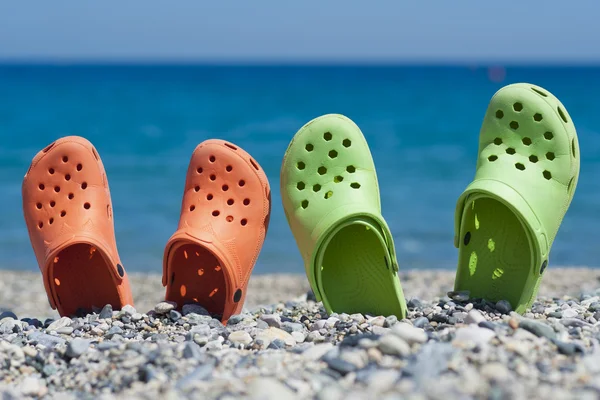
(508, 217)
(68, 212)
(224, 219)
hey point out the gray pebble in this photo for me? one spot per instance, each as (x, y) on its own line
(421, 322)
(503, 307)
(194, 309)
(235, 319)
(77, 347)
(106, 312)
(174, 315)
(537, 328)
(393, 345)
(164, 307)
(460, 296)
(339, 365)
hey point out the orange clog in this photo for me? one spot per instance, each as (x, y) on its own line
(224, 220)
(68, 211)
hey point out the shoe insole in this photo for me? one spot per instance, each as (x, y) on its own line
(494, 255)
(82, 280)
(198, 278)
(354, 274)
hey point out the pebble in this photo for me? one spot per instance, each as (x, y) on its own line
(537, 328)
(474, 334)
(409, 333)
(273, 320)
(474, 317)
(339, 365)
(164, 307)
(32, 386)
(106, 312)
(393, 345)
(460, 295)
(77, 347)
(8, 314)
(446, 348)
(61, 323)
(194, 309)
(503, 307)
(240, 337)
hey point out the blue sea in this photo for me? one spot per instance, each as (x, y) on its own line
(422, 125)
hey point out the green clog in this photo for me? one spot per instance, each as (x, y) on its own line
(331, 201)
(507, 218)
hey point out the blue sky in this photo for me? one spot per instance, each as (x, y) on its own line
(437, 31)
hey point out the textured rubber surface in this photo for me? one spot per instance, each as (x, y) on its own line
(508, 217)
(68, 211)
(224, 219)
(331, 200)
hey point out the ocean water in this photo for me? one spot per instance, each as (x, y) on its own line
(422, 126)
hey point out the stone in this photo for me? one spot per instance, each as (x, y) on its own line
(272, 333)
(503, 307)
(268, 388)
(317, 351)
(460, 296)
(235, 319)
(537, 328)
(128, 310)
(298, 336)
(272, 320)
(106, 312)
(414, 303)
(193, 308)
(393, 345)
(314, 336)
(474, 317)
(67, 330)
(8, 325)
(421, 322)
(409, 333)
(191, 350)
(44, 339)
(77, 347)
(60, 323)
(240, 337)
(164, 307)
(32, 386)
(568, 349)
(473, 334)
(390, 321)
(292, 327)
(174, 315)
(8, 314)
(495, 372)
(340, 365)
(570, 313)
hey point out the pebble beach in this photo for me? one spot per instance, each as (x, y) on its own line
(284, 345)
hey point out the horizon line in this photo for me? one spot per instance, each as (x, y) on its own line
(229, 62)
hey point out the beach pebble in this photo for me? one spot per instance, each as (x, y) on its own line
(460, 296)
(32, 386)
(77, 347)
(473, 334)
(194, 309)
(273, 320)
(537, 328)
(164, 307)
(240, 337)
(393, 345)
(61, 323)
(409, 333)
(106, 312)
(503, 307)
